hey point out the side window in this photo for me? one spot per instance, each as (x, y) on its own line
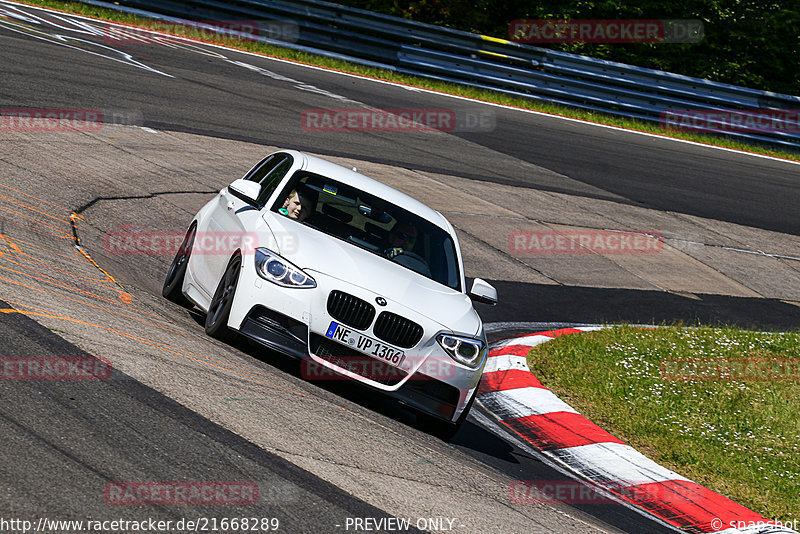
(269, 173)
(451, 261)
(271, 180)
(263, 167)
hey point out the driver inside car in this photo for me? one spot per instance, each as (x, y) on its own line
(402, 238)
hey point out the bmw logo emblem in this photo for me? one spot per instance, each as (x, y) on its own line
(381, 301)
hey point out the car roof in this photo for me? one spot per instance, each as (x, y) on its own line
(370, 185)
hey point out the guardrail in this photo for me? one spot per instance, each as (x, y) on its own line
(485, 62)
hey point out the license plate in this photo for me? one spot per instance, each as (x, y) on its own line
(365, 344)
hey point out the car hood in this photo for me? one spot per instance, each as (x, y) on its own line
(312, 250)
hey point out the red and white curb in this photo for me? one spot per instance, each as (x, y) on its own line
(519, 401)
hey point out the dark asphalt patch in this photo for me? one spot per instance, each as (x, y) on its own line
(525, 302)
(64, 441)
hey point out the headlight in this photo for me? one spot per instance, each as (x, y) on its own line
(277, 270)
(465, 350)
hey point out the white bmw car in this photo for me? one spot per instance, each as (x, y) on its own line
(358, 279)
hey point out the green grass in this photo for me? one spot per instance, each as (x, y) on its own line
(477, 94)
(739, 437)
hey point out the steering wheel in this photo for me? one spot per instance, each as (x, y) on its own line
(409, 259)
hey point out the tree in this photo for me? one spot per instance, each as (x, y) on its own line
(754, 43)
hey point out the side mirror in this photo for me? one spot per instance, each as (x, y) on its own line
(482, 291)
(247, 191)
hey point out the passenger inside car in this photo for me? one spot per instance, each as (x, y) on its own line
(299, 204)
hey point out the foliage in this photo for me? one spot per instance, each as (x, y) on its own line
(434, 85)
(753, 43)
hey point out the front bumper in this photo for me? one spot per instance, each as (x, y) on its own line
(428, 380)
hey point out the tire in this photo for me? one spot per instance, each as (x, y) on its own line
(173, 283)
(220, 308)
(444, 429)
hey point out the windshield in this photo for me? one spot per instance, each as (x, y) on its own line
(372, 224)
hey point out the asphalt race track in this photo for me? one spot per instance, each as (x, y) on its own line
(180, 406)
(72, 449)
(213, 96)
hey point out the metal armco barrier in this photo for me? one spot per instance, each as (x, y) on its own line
(485, 62)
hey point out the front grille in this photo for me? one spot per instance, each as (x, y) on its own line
(355, 362)
(350, 310)
(397, 330)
